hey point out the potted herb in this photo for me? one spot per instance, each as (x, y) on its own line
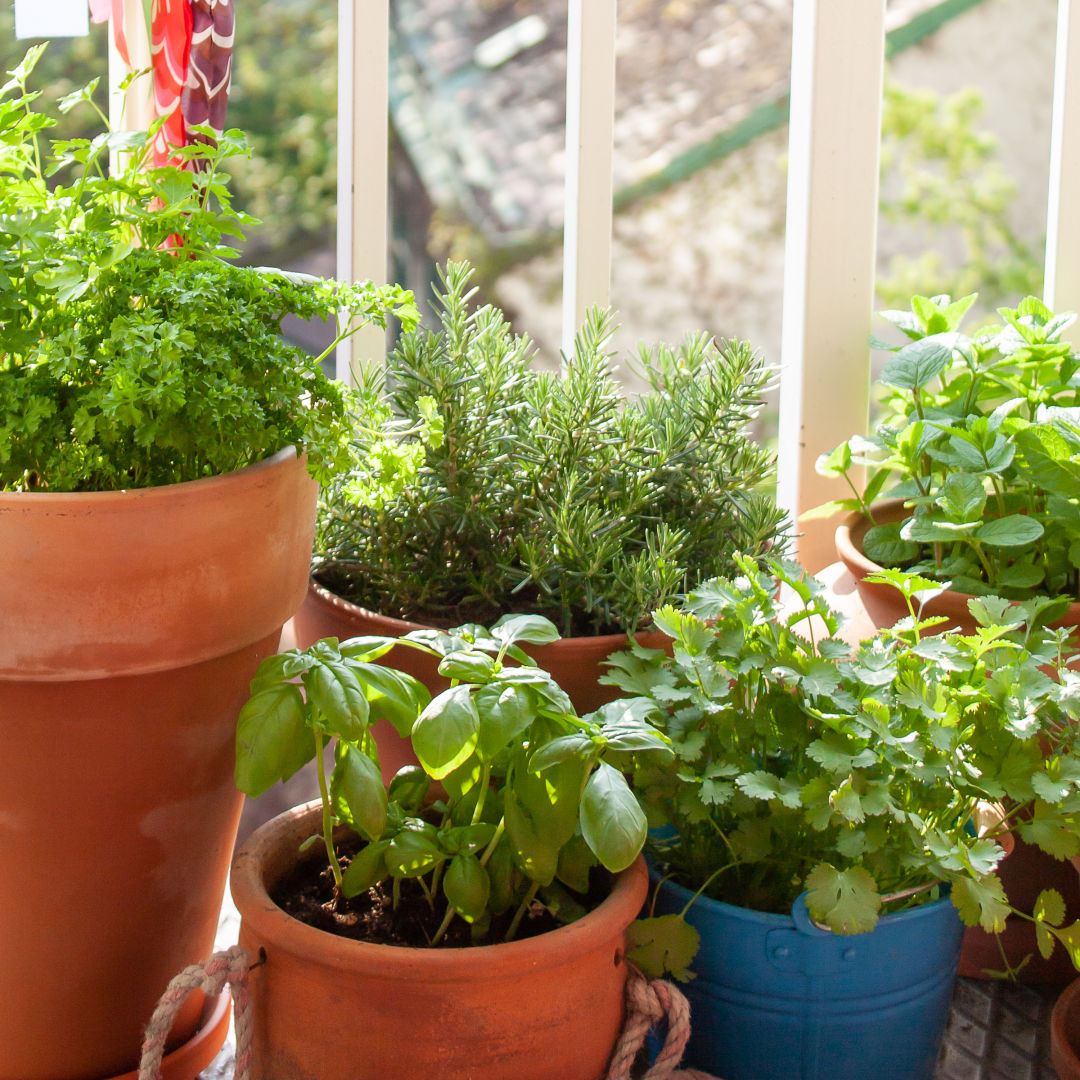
(978, 449)
(423, 937)
(818, 816)
(159, 445)
(540, 492)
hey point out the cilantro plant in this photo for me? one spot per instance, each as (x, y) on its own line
(799, 766)
(132, 353)
(980, 437)
(534, 795)
(544, 492)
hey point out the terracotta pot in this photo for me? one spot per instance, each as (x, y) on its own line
(883, 603)
(337, 1009)
(1027, 870)
(133, 622)
(1065, 1033)
(574, 663)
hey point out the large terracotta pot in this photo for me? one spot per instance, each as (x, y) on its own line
(574, 663)
(1028, 869)
(337, 1009)
(132, 624)
(1065, 1033)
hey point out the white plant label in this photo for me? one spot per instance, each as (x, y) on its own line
(51, 18)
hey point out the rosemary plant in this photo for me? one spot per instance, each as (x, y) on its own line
(488, 486)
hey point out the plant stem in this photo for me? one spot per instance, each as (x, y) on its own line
(485, 776)
(522, 908)
(448, 918)
(494, 842)
(327, 814)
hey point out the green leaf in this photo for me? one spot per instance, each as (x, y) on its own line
(847, 901)
(505, 713)
(409, 787)
(532, 849)
(532, 629)
(273, 739)
(612, 823)
(393, 695)
(662, 946)
(445, 733)
(467, 886)
(470, 666)
(883, 544)
(357, 792)
(981, 902)
(366, 868)
(333, 689)
(1014, 530)
(413, 852)
(916, 364)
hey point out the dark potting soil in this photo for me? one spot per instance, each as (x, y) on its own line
(307, 894)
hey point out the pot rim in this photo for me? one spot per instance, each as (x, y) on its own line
(58, 499)
(270, 843)
(326, 598)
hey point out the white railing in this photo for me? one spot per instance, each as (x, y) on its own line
(837, 62)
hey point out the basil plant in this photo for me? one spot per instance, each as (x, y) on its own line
(532, 795)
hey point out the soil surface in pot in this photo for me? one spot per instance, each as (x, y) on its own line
(307, 894)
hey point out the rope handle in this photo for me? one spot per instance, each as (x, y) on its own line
(228, 968)
(647, 1003)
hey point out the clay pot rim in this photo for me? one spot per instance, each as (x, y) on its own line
(59, 499)
(269, 844)
(396, 627)
(1063, 1050)
(848, 538)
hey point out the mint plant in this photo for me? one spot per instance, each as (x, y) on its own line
(545, 492)
(132, 353)
(798, 766)
(980, 436)
(534, 796)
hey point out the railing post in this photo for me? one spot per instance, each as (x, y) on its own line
(1062, 288)
(590, 122)
(837, 64)
(133, 109)
(363, 166)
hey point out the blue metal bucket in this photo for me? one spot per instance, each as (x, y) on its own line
(777, 998)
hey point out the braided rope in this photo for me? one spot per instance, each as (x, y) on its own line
(647, 1003)
(229, 968)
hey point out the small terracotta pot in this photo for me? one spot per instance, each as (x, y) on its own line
(337, 1009)
(1065, 1033)
(883, 603)
(132, 624)
(575, 663)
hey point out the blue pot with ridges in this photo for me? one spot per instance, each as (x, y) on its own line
(778, 998)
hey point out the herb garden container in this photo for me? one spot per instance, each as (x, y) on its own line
(337, 1009)
(133, 622)
(777, 998)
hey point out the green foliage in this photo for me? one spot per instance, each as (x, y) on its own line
(131, 352)
(540, 491)
(799, 766)
(534, 794)
(942, 181)
(981, 438)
